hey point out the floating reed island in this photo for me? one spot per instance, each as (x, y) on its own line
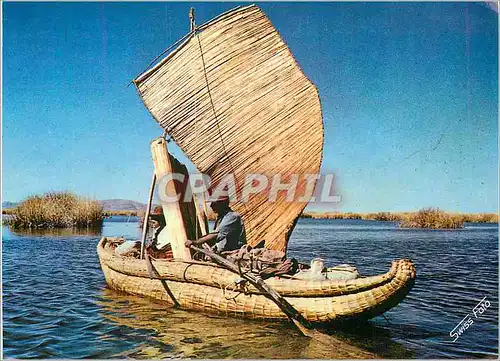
(56, 210)
(432, 218)
(125, 213)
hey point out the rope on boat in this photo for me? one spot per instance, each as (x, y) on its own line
(385, 318)
(164, 52)
(216, 120)
(224, 290)
(154, 272)
(241, 288)
(165, 136)
(185, 271)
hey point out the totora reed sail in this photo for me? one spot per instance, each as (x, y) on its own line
(236, 102)
(234, 99)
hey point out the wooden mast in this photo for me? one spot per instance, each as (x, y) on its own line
(201, 216)
(192, 25)
(174, 218)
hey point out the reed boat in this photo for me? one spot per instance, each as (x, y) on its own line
(235, 101)
(206, 287)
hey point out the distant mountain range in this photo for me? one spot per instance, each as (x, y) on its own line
(121, 205)
(9, 204)
(107, 204)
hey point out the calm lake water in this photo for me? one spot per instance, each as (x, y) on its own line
(56, 303)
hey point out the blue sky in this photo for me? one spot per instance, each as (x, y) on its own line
(409, 94)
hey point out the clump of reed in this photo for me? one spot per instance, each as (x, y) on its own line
(331, 215)
(480, 218)
(383, 216)
(401, 216)
(432, 218)
(56, 210)
(380, 216)
(127, 213)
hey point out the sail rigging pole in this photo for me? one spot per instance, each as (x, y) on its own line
(146, 214)
(191, 20)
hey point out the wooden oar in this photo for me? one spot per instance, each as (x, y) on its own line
(326, 341)
(302, 324)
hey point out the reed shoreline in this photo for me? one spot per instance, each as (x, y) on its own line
(67, 210)
(376, 216)
(399, 216)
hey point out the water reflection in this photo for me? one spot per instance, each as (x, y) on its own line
(56, 304)
(177, 333)
(58, 232)
(114, 226)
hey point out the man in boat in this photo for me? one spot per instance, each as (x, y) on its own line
(160, 245)
(229, 232)
(229, 235)
(158, 223)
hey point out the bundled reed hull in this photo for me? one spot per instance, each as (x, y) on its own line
(205, 287)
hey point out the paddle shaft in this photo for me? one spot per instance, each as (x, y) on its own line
(299, 320)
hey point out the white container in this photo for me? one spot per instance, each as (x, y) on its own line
(317, 265)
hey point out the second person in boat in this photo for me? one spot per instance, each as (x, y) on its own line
(229, 232)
